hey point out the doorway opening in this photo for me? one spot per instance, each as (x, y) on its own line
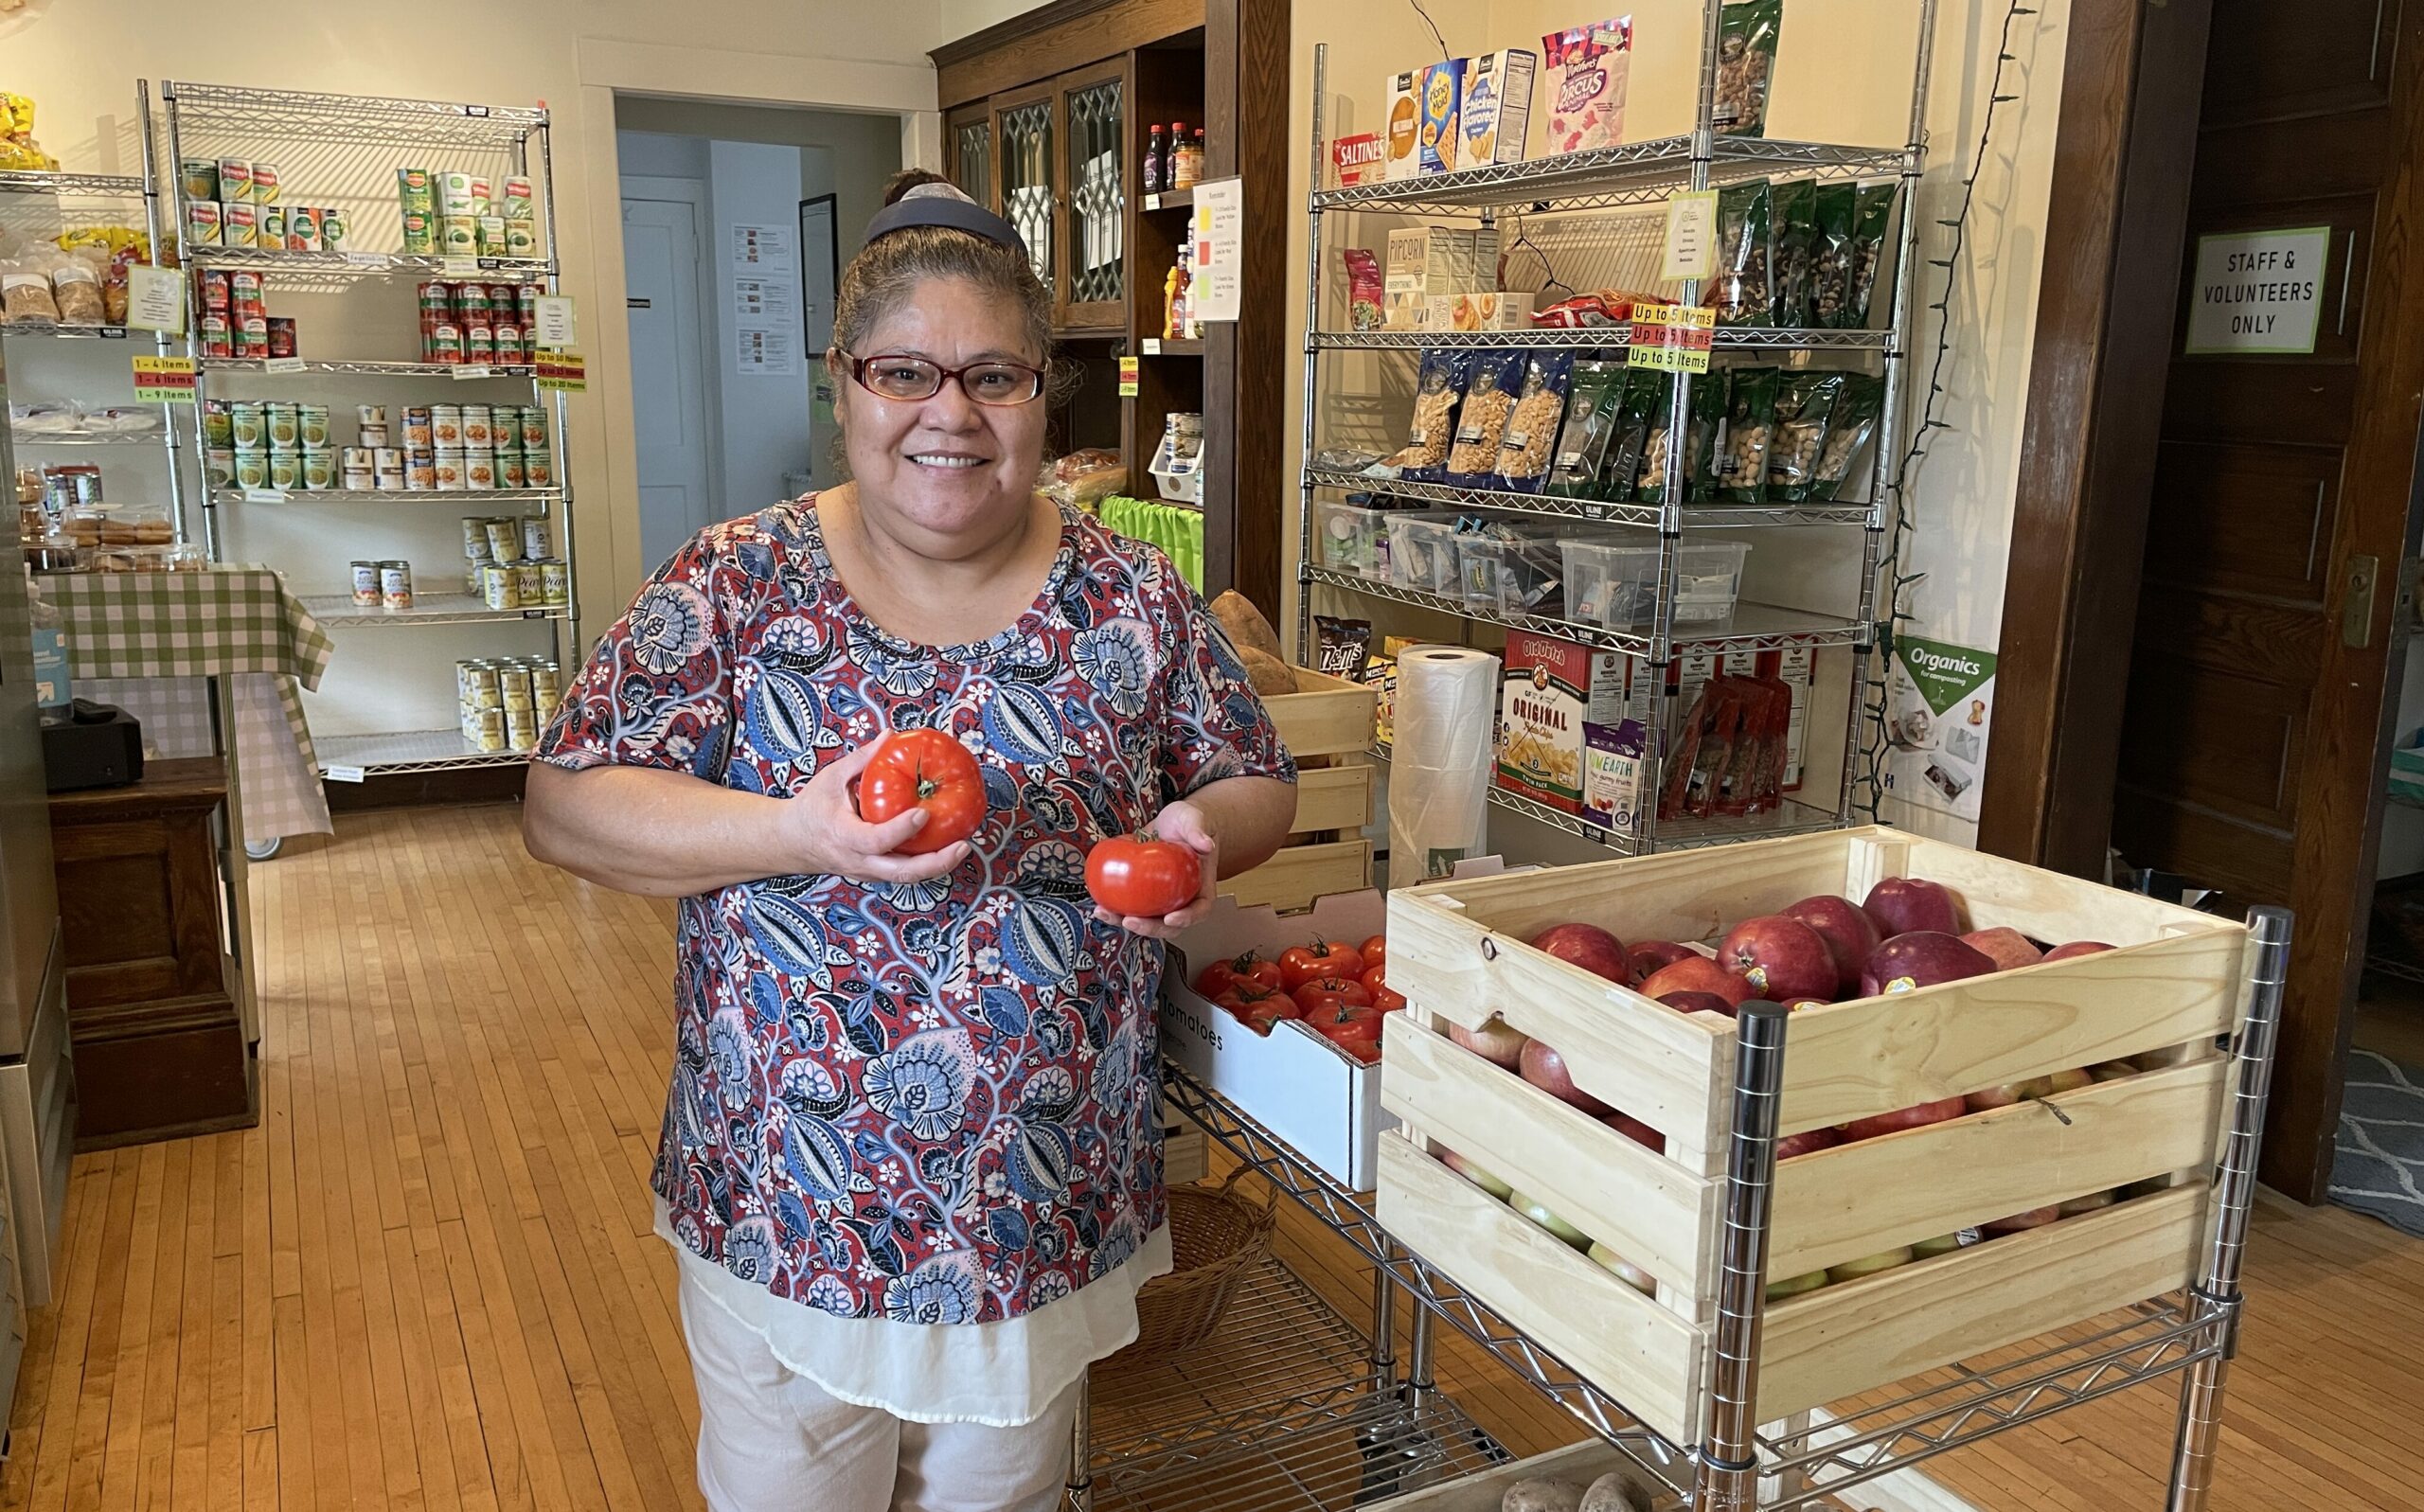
(736, 219)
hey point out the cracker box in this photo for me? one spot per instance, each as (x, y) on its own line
(1498, 106)
(1549, 691)
(1442, 109)
(1589, 68)
(1401, 126)
(1357, 159)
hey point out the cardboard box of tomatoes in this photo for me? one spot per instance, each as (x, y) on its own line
(1320, 1092)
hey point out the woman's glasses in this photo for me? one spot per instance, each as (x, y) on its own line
(914, 378)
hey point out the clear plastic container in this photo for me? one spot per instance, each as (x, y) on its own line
(1348, 537)
(1510, 574)
(1422, 553)
(1615, 583)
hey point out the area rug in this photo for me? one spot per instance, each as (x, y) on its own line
(2377, 1167)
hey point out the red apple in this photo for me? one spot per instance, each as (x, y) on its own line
(1474, 1174)
(1869, 1265)
(1919, 1116)
(1847, 930)
(1545, 1069)
(2036, 1217)
(1648, 955)
(1807, 1141)
(1796, 1004)
(1698, 975)
(2010, 1093)
(1587, 946)
(2076, 948)
(1635, 1276)
(1920, 958)
(1698, 1003)
(1635, 1130)
(2007, 948)
(1780, 957)
(1793, 1286)
(1495, 1042)
(1903, 904)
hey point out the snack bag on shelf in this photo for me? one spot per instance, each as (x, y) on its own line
(1439, 387)
(1524, 449)
(1481, 420)
(26, 297)
(1593, 403)
(1858, 403)
(1744, 288)
(1712, 399)
(1796, 237)
(1750, 427)
(1804, 407)
(1873, 214)
(1589, 68)
(1831, 252)
(1746, 64)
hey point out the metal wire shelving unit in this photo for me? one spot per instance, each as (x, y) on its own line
(1634, 176)
(352, 145)
(79, 186)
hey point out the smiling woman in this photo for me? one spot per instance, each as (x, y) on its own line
(907, 1163)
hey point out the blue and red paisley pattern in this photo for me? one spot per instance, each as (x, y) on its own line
(932, 1103)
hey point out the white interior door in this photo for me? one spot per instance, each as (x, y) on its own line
(669, 386)
(816, 277)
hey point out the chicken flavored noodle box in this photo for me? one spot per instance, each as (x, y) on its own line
(1292, 1081)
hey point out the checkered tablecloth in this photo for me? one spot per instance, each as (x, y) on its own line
(145, 640)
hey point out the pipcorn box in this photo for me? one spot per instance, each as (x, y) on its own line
(1443, 102)
(1498, 107)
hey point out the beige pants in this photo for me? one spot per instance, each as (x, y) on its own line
(771, 1440)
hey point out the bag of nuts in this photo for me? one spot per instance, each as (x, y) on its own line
(1858, 405)
(1530, 441)
(1875, 212)
(1481, 419)
(1750, 429)
(1831, 254)
(1805, 407)
(1746, 63)
(1744, 288)
(1437, 389)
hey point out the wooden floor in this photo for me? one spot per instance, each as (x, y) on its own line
(427, 1281)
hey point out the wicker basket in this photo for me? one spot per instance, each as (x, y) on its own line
(1216, 1237)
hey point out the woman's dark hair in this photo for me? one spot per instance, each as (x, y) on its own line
(887, 269)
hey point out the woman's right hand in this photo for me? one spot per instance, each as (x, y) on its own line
(823, 826)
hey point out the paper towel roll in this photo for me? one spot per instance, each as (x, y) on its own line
(1440, 760)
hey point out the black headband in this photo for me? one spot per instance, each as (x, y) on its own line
(948, 210)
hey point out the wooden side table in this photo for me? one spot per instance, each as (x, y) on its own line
(160, 1043)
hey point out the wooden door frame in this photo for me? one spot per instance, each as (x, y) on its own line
(2133, 88)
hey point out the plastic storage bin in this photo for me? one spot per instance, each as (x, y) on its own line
(1502, 574)
(1614, 584)
(1352, 539)
(1423, 553)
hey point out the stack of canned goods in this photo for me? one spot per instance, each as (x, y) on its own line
(477, 324)
(267, 446)
(489, 446)
(235, 202)
(235, 323)
(504, 698)
(383, 584)
(462, 215)
(510, 564)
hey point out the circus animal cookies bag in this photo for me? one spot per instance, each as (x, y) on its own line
(1588, 69)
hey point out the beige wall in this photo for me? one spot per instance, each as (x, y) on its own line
(1843, 74)
(963, 17)
(82, 65)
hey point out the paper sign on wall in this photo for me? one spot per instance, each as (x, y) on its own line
(1939, 706)
(1691, 235)
(555, 325)
(2259, 290)
(1220, 248)
(156, 299)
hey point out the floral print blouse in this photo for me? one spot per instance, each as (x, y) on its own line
(934, 1103)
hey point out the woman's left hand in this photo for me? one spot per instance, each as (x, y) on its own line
(1182, 823)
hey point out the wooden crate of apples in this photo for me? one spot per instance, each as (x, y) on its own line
(2003, 1097)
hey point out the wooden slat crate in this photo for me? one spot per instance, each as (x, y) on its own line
(2173, 986)
(1326, 717)
(1333, 799)
(1298, 874)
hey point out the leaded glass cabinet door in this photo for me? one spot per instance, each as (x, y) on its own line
(968, 138)
(1024, 136)
(1096, 156)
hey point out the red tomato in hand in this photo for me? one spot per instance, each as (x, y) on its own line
(1375, 951)
(929, 770)
(1325, 993)
(1221, 975)
(1138, 877)
(1303, 963)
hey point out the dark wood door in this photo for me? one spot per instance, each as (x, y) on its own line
(2271, 620)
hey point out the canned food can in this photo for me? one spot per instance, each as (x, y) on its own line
(285, 468)
(252, 468)
(436, 298)
(245, 425)
(396, 584)
(489, 733)
(357, 456)
(529, 582)
(538, 470)
(456, 196)
(415, 190)
(218, 426)
(476, 538)
(521, 238)
(370, 413)
(392, 482)
(471, 302)
(536, 532)
(216, 340)
(284, 426)
(332, 228)
(358, 479)
(459, 235)
(502, 297)
(265, 186)
(445, 426)
(373, 436)
(490, 236)
(219, 466)
(387, 459)
(245, 291)
(302, 228)
(238, 223)
(475, 421)
(499, 587)
(214, 289)
(463, 680)
(479, 467)
(365, 583)
(443, 343)
(521, 729)
(547, 687)
(420, 472)
(417, 428)
(517, 200)
(482, 193)
(312, 423)
(252, 336)
(513, 684)
(526, 302)
(509, 473)
(421, 233)
(198, 178)
(269, 226)
(446, 469)
(479, 345)
(202, 223)
(554, 583)
(281, 335)
(507, 344)
(319, 468)
(475, 680)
